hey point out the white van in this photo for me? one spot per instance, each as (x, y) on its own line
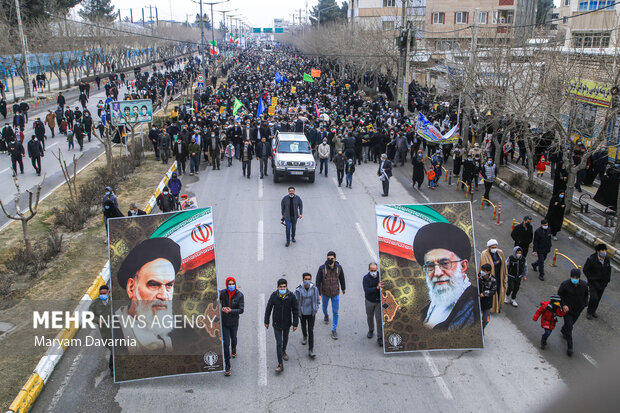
(292, 156)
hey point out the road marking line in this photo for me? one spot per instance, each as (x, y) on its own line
(260, 188)
(65, 381)
(423, 195)
(262, 344)
(590, 359)
(438, 379)
(260, 254)
(49, 146)
(370, 250)
(4, 170)
(342, 196)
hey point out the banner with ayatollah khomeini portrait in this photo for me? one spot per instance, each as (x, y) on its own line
(165, 316)
(430, 298)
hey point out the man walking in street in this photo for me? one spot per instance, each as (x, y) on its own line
(541, 247)
(329, 281)
(291, 208)
(164, 147)
(283, 304)
(489, 173)
(16, 150)
(263, 154)
(384, 173)
(523, 234)
(101, 309)
(323, 151)
(232, 304)
(574, 295)
(597, 270)
(247, 153)
(308, 299)
(340, 161)
(35, 153)
(50, 121)
(372, 292)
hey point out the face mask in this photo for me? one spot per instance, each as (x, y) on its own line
(165, 193)
(469, 159)
(493, 250)
(282, 292)
(373, 274)
(330, 261)
(489, 163)
(103, 296)
(545, 226)
(324, 142)
(231, 288)
(574, 280)
(245, 146)
(107, 193)
(483, 274)
(307, 283)
(518, 255)
(107, 207)
(603, 254)
(561, 196)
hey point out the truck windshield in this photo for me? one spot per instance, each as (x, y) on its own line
(294, 147)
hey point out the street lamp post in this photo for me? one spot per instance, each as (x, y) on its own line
(202, 36)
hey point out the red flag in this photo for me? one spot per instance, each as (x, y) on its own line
(316, 108)
(315, 73)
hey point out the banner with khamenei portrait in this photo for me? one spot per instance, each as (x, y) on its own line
(427, 261)
(165, 317)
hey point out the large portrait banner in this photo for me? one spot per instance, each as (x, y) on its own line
(427, 262)
(165, 316)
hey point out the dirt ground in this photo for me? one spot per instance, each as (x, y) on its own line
(67, 277)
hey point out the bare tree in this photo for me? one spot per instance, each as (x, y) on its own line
(25, 215)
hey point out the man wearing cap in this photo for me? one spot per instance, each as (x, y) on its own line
(574, 294)
(147, 275)
(495, 257)
(523, 234)
(443, 250)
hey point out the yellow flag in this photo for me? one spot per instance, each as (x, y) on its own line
(274, 101)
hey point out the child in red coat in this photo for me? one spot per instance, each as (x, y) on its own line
(541, 166)
(548, 313)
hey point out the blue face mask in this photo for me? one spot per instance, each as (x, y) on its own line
(103, 296)
(561, 196)
(231, 288)
(282, 292)
(574, 280)
(107, 207)
(307, 283)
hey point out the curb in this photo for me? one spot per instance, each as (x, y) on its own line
(42, 372)
(567, 224)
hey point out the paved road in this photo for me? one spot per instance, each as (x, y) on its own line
(352, 373)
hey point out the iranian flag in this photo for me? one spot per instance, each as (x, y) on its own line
(213, 47)
(193, 231)
(398, 224)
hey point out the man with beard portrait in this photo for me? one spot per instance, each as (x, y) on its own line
(147, 274)
(443, 250)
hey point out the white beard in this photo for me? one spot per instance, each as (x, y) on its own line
(447, 294)
(144, 308)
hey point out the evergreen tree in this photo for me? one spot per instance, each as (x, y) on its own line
(330, 12)
(101, 11)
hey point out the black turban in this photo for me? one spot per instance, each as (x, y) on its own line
(147, 251)
(441, 235)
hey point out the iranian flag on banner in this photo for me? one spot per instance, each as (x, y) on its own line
(398, 224)
(193, 231)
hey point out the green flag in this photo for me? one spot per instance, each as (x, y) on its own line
(237, 106)
(308, 78)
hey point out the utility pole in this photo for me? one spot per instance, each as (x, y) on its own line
(405, 100)
(202, 41)
(24, 50)
(131, 15)
(401, 65)
(143, 22)
(468, 81)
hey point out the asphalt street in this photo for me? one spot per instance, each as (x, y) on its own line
(350, 374)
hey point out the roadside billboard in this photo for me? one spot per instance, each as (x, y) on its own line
(129, 112)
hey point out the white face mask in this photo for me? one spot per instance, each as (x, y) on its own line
(545, 226)
(518, 255)
(373, 274)
(493, 250)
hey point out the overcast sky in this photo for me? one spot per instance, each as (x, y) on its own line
(257, 13)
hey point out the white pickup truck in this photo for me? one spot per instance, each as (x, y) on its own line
(292, 156)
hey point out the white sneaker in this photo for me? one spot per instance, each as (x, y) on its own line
(506, 300)
(514, 303)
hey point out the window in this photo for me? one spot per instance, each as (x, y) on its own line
(495, 17)
(567, 2)
(461, 17)
(389, 3)
(439, 18)
(483, 17)
(597, 40)
(503, 17)
(596, 4)
(388, 25)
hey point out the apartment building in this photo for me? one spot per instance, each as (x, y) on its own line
(387, 14)
(595, 31)
(449, 23)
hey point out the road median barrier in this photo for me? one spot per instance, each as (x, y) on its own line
(483, 200)
(468, 193)
(555, 257)
(44, 369)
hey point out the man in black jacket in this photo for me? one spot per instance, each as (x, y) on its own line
(574, 294)
(291, 208)
(384, 173)
(16, 150)
(247, 153)
(263, 153)
(285, 310)
(523, 234)
(165, 201)
(232, 304)
(597, 270)
(541, 247)
(35, 153)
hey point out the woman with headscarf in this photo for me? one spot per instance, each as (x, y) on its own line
(110, 210)
(555, 213)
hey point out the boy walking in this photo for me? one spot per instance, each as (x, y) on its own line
(517, 271)
(308, 298)
(487, 287)
(285, 313)
(548, 312)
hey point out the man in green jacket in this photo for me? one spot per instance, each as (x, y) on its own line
(101, 308)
